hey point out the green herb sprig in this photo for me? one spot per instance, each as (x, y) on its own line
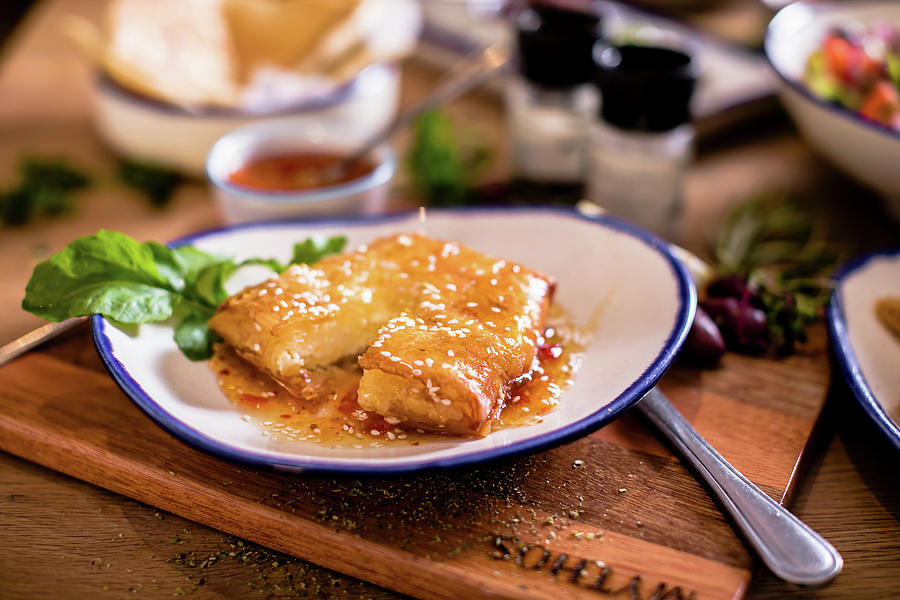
(45, 187)
(441, 169)
(156, 182)
(127, 281)
(782, 254)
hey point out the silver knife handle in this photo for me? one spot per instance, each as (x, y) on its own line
(35, 338)
(787, 546)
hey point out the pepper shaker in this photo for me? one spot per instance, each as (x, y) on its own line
(551, 101)
(642, 141)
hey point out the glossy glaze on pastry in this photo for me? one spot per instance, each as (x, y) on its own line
(444, 332)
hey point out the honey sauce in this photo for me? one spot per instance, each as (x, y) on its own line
(328, 412)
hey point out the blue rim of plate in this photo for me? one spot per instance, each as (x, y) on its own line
(801, 88)
(846, 357)
(687, 297)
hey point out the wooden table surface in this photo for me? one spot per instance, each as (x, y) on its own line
(60, 537)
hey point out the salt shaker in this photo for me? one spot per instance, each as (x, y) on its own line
(551, 101)
(642, 141)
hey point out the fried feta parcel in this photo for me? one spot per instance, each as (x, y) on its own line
(442, 332)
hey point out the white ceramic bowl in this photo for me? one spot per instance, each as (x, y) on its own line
(142, 128)
(867, 151)
(366, 195)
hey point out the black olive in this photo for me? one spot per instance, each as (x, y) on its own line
(704, 343)
(742, 325)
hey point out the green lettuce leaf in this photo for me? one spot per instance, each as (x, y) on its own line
(108, 273)
(314, 248)
(129, 282)
(194, 337)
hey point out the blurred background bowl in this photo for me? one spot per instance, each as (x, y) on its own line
(146, 129)
(365, 195)
(867, 151)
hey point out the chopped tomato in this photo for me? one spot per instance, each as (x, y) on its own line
(840, 56)
(377, 424)
(253, 401)
(882, 103)
(549, 351)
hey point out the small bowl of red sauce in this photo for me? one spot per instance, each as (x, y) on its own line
(281, 169)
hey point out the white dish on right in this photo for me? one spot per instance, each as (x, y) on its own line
(867, 151)
(868, 354)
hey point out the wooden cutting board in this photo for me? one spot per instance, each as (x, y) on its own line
(612, 514)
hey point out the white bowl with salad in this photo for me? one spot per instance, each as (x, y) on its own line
(839, 67)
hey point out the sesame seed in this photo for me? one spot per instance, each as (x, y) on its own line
(445, 402)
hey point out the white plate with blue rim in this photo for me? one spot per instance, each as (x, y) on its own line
(867, 353)
(640, 295)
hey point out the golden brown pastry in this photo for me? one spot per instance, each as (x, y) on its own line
(887, 310)
(443, 330)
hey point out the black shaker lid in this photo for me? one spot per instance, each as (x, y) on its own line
(644, 88)
(555, 45)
